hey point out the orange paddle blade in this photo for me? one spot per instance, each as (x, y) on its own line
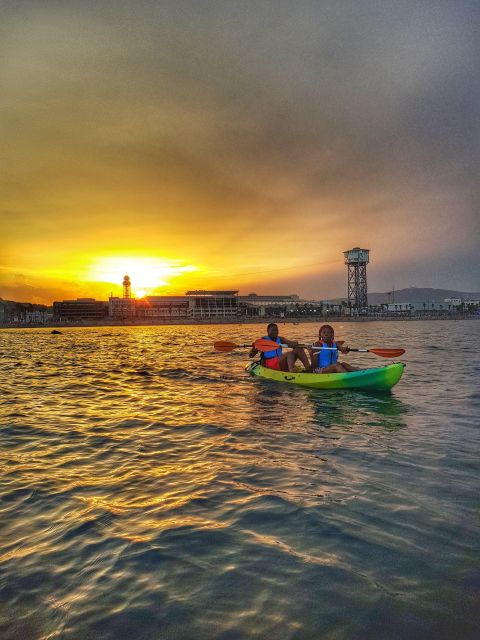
(224, 345)
(265, 345)
(388, 353)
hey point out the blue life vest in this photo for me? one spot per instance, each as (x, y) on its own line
(327, 357)
(266, 355)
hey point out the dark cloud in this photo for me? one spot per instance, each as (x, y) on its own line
(334, 124)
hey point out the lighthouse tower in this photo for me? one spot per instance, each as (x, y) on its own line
(356, 260)
(127, 292)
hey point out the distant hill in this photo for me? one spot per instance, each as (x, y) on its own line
(419, 294)
(416, 294)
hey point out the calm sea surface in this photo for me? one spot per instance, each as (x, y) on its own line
(151, 489)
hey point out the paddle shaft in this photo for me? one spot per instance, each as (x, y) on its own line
(265, 345)
(311, 346)
(383, 352)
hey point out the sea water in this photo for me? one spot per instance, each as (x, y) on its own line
(151, 489)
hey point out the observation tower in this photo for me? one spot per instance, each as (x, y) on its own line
(356, 260)
(127, 292)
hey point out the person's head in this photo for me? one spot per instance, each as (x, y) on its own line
(272, 331)
(326, 333)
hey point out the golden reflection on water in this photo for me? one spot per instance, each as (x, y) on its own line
(325, 559)
(151, 526)
(145, 472)
(164, 502)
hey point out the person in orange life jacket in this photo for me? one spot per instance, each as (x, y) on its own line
(326, 360)
(277, 360)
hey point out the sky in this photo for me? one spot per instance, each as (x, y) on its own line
(237, 145)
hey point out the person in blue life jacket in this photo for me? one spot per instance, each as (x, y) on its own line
(276, 359)
(325, 360)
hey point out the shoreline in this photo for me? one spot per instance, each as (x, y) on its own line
(229, 321)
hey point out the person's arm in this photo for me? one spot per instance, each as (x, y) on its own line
(342, 346)
(253, 351)
(314, 353)
(289, 343)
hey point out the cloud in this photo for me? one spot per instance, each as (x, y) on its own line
(233, 135)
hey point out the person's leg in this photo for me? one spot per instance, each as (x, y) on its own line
(291, 359)
(273, 363)
(347, 367)
(300, 354)
(333, 368)
(286, 362)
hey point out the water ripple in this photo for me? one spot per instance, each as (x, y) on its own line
(147, 492)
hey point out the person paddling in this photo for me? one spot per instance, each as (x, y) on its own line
(276, 359)
(325, 359)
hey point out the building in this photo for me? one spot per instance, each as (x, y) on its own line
(453, 302)
(415, 307)
(80, 309)
(24, 313)
(398, 307)
(7, 311)
(255, 305)
(194, 304)
(335, 308)
(212, 304)
(458, 302)
(162, 307)
(122, 308)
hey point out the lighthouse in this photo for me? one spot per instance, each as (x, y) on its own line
(127, 291)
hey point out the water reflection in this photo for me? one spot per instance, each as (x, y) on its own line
(152, 488)
(292, 408)
(287, 408)
(346, 409)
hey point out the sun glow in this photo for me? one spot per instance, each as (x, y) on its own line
(146, 274)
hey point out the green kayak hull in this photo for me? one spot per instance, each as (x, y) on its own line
(378, 379)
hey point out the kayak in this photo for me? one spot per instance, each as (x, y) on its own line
(378, 379)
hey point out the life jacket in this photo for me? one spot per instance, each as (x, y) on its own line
(326, 356)
(266, 355)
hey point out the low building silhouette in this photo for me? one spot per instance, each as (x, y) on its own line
(80, 309)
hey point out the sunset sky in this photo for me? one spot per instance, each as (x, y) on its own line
(240, 145)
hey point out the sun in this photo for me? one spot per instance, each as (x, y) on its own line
(146, 274)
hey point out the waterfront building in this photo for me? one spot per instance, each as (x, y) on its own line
(162, 307)
(416, 307)
(80, 309)
(6, 310)
(455, 304)
(212, 304)
(259, 305)
(201, 304)
(122, 308)
(335, 308)
(36, 314)
(24, 313)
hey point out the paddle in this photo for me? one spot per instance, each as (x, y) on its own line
(260, 345)
(267, 345)
(385, 353)
(224, 345)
